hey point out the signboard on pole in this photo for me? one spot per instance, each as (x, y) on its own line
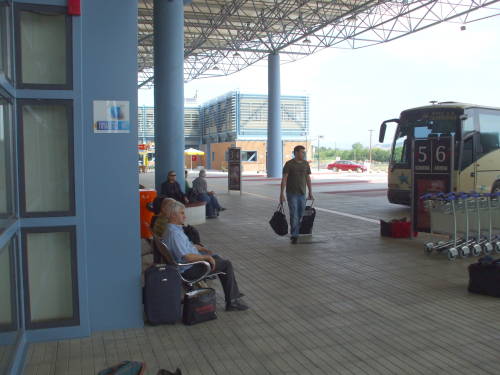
(432, 166)
(234, 168)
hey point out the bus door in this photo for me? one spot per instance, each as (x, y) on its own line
(468, 166)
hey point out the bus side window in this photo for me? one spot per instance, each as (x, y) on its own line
(467, 153)
(489, 135)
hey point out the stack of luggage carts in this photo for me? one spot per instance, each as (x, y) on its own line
(470, 220)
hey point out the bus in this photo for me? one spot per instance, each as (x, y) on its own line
(476, 130)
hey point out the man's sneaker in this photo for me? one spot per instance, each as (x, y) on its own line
(236, 305)
(294, 240)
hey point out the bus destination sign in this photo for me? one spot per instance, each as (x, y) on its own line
(432, 155)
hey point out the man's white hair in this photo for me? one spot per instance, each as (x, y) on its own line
(202, 173)
(172, 208)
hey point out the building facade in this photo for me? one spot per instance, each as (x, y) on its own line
(70, 261)
(237, 120)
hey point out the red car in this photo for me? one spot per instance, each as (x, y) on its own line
(346, 165)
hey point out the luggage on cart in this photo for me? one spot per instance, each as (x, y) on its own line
(484, 277)
(307, 221)
(162, 294)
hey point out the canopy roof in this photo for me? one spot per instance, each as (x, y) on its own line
(222, 37)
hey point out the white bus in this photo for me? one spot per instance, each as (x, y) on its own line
(477, 146)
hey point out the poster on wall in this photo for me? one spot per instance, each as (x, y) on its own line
(111, 116)
(234, 168)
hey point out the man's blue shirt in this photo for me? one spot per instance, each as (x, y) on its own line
(179, 244)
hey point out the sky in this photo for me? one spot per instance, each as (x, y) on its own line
(352, 91)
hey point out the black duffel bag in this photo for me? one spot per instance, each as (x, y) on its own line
(484, 277)
(278, 221)
(199, 306)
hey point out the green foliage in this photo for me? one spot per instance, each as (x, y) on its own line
(357, 152)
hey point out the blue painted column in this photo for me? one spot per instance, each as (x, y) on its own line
(169, 89)
(274, 147)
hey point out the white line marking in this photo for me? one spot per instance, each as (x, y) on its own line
(325, 210)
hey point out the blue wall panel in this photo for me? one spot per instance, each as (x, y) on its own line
(109, 72)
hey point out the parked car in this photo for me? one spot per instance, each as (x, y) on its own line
(346, 165)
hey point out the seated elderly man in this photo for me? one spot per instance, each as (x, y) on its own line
(173, 215)
(200, 189)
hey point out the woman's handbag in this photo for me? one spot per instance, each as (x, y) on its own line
(278, 221)
(199, 306)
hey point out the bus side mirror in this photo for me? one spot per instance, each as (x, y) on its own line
(381, 134)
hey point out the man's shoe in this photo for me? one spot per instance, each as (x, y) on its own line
(222, 209)
(236, 305)
(212, 217)
(294, 240)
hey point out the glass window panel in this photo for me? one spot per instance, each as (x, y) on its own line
(6, 158)
(5, 40)
(8, 310)
(49, 260)
(6, 289)
(43, 47)
(46, 149)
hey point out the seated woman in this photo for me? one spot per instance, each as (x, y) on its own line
(202, 194)
(172, 189)
(168, 226)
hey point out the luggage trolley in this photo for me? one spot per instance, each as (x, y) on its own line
(483, 211)
(442, 207)
(494, 215)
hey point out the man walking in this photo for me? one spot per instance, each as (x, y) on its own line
(296, 175)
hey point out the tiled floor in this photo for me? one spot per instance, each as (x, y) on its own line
(349, 302)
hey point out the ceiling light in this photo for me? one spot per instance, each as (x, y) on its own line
(306, 41)
(216, 68)
(236, 54)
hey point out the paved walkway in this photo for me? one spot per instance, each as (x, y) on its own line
(350, 302)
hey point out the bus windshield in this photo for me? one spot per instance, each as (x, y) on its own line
(433, 122)
(423, 124)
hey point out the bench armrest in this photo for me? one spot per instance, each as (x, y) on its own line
(205, 273)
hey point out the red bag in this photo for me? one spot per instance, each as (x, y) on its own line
(396, 229)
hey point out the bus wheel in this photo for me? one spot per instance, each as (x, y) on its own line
(496, 187)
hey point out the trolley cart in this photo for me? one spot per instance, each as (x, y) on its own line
(471, 207)
(483, 206)
(494, 219)
(442, 208)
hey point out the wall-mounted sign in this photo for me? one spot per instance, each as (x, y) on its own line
(111, 116)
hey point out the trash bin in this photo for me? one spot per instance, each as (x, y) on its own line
(146, 196)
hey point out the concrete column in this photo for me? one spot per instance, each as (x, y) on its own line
(274, 147)
(169, 89)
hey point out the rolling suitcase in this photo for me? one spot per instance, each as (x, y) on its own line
(307, 221)
(162, 294)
